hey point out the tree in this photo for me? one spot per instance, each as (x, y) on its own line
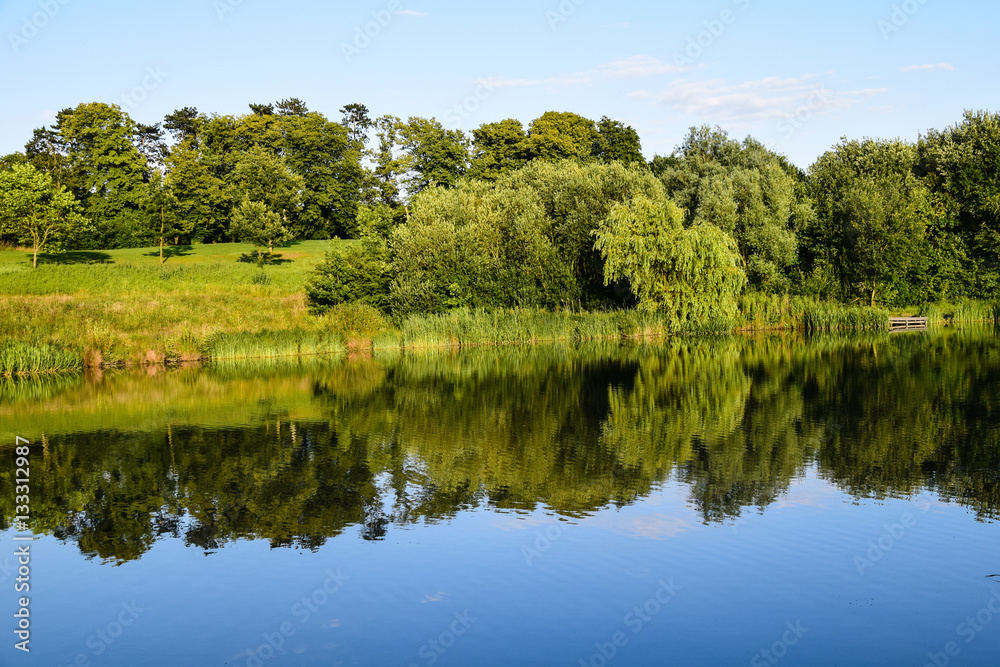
(431, 155)
(268, 192)
(961, 165)
(386, 161)
(357, 121)
(104, 169)
(33, 209)
(872, 213)
(203, 205)
(747, 191)
(693, 275)
(292, 107)
(561, 135)
(321, 153)
(161, 206)
(184, 125)
(617, 142)
(498, 148)
(255, 224)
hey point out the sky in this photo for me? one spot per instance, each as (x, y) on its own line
(797, 76)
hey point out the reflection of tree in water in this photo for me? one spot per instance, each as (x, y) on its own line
(422, 438)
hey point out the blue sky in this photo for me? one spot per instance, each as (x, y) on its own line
(796, 75)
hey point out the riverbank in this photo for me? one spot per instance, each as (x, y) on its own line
(212, 302)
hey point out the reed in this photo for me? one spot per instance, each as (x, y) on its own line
(965, 310)
(20, 358)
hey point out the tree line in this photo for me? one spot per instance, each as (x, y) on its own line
(563, 211)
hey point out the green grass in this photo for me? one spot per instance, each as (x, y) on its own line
(20, 358)
(120, 307)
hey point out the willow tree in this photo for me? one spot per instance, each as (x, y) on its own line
(693, 275)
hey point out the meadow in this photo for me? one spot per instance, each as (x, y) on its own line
(117, 307)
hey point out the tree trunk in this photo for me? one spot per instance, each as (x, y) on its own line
(873, 297)
(34, 259)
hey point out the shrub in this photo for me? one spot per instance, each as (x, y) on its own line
(359, 274)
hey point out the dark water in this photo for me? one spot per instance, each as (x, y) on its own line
(764, 501)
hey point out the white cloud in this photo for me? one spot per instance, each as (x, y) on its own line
(771, 98)
(411, 12)
(634, 67)
(928, 68)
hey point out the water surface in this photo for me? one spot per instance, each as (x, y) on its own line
(698, 501)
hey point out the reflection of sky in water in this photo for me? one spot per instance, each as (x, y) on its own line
(738, 584)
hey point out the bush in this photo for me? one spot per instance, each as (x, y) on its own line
(356, 321)
(358, 275)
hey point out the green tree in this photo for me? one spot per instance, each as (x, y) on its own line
(692, 274)
(749, 192)
(203, 205)
(321, 153)
(269, 192)
(257, 225)
(872, 215)
(498, 149)
(34, 210)
(617, 142)
(961, 165)
(104, 170)
(161, 208)
(431, 155)
(561, 135)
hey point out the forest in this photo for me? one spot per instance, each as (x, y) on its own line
(565, 212)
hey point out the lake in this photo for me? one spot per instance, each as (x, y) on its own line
(699, 501)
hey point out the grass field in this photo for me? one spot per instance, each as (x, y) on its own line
(123, 306)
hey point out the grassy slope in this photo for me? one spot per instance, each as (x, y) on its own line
(125, 306)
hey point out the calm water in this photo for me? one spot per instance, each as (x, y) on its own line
(777, 500)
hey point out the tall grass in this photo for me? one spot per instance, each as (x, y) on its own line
(824, 316)
(20, 358)
(265, 344)
(966, 310)
(762, 312)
